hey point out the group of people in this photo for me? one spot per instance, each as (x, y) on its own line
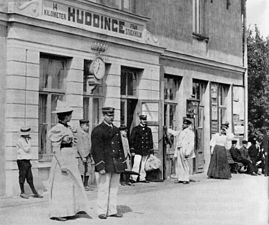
(226, 158)
(73, 157)
(111, 153)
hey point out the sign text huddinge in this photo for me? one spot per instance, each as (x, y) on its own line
(88, 19)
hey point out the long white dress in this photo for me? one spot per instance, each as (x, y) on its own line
(66, 192)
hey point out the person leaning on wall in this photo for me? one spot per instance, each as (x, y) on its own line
(67, 196)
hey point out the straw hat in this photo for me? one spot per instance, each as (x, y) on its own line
(25, 131)
(62, 107)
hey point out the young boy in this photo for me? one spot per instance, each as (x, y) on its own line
(23, 160)
(125, 176)
(83, 148)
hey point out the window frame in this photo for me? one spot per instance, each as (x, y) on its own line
(44, 153)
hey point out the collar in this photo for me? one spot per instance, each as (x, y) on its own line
(65, 124)
(106, 123)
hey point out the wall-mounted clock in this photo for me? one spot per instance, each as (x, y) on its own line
(98, 68)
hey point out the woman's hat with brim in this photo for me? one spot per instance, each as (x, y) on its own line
(25, 131)
(62, 107)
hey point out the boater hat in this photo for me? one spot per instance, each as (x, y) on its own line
(62, 107)
(25, 131)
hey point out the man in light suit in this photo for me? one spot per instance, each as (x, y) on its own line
(184, 151)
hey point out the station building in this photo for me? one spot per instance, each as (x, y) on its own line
(166, 60)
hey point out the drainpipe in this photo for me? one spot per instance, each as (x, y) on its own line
(245, 65)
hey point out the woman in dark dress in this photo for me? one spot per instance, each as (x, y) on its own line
(219, 167)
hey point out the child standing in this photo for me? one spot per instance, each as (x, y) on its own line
(23, 160)
(125, 176)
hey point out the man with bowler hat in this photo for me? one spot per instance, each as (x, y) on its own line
(108, 155)
(141, 143)
(83, 150)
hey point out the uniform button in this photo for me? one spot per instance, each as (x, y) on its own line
(112, 142)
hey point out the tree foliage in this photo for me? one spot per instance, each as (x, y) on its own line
(258, 81)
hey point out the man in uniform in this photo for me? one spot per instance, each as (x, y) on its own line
(83, 150)
(108, 155)
(184, 151)
(141, 143)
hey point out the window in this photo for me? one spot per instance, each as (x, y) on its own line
(219, 93)
(53, 72)
(92, 98)
(126, 5)
(196, 16)
(198, 20)
(129, 81)
(171, 86)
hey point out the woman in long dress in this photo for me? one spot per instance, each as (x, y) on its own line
(67, 196)
(219, 167)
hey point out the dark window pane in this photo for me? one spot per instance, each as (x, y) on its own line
(123, 83)
(122, 112)
(96, 111)
(86, 108)
(130, 84)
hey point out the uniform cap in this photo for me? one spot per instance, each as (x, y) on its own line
(187, 121)
(244, 142)
(142, 117)
(108, 110)
(123, 127)
(83, 121)
(234, 141)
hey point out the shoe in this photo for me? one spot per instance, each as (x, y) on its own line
(24, 196)
(144, 181)
(37, 196)
(185, 182)
(59, 218)
(253, 174)
(132, 181)
(116, 215)
(178, 181)
(130, 184)
(102, 216)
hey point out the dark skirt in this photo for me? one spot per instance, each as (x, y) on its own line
(219, 167)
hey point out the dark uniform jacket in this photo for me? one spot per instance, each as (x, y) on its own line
(253, 153)
(236, 155)
(107, 150)
(141, 142)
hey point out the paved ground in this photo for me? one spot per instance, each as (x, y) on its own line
(242, 200)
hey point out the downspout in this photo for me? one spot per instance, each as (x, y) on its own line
(245, 65)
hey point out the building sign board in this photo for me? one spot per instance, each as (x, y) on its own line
(90, 20)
